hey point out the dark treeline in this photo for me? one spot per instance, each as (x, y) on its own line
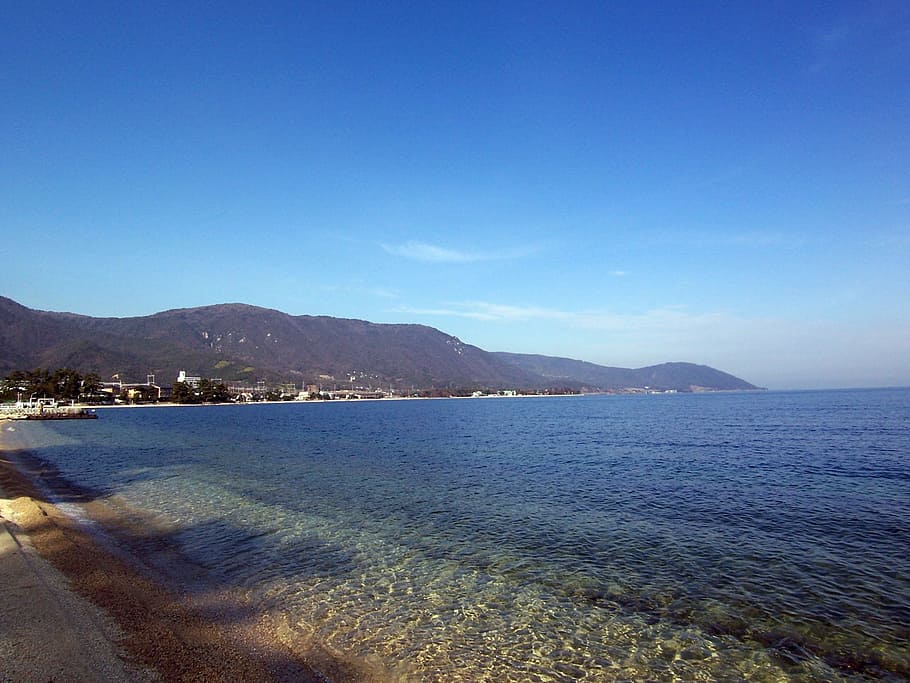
(207, 392)
(62, 384)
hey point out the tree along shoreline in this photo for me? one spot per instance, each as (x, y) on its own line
(65, 385)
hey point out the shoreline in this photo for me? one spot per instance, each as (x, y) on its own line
(337, 401)
(92, 407)
(347, 401)
(162, 632)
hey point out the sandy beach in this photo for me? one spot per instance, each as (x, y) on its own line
(77, 607)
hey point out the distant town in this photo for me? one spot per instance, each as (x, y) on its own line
(29, 389)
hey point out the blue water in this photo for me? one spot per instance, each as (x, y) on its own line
(759, 536)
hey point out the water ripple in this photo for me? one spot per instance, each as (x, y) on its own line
(716, 537)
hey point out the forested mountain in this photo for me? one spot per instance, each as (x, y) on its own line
(241, 342)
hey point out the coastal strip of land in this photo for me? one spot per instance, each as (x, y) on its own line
(72, 609)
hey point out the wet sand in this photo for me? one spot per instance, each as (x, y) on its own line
(78, 605)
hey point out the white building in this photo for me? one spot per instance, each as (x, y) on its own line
(188, 379)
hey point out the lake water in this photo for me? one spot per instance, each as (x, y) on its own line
(760, 536)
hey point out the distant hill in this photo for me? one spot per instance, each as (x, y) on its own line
(248, 343)
(676, 376)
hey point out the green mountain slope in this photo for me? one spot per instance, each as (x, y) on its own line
(248, 343)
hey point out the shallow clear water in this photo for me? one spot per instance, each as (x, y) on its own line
(676, 537)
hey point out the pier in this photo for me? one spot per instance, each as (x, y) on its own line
(42, 411)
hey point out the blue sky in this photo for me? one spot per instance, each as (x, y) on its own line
(725, 183)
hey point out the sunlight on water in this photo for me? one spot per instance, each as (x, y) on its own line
(698, 538)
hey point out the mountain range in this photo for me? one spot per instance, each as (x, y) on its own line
(238, 342)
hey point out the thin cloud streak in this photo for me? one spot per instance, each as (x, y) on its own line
(431, 253)
(662, 318)
(677, 323)
(481, 310)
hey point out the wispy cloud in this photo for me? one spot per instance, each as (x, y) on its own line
(431, 253)
(662, 318)
(618, 273)
(482, 310)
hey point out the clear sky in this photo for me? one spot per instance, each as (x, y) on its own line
(627, 183)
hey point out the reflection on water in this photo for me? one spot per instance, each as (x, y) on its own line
(702, 537)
